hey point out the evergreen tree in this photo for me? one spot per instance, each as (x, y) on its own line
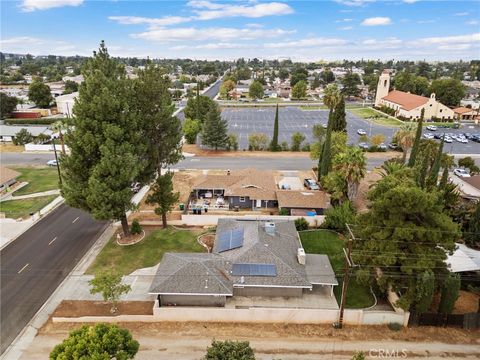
(325, 161)
(215, 129)
(339, 116)
(422, 173)
(106, 143)
(274, 143)
(424, 291)
(197, 103)
(473, 229)
(450, 291)
(416, 143)
(433, 178)
(163, 196)
(40, 94)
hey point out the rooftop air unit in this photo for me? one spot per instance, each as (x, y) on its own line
(301, 256)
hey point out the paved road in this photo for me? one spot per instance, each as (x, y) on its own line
(34, 265)
(211, 93)
(25, 158)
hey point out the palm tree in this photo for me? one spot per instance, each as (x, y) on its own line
(60, 126)
(390, 166)
(331, 96)
(405, 136)
(352, 165)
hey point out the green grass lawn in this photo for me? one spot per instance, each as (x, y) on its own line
(148, 252)
(22, 208)
(376, 117)
(329, 243)
(306, 108)
(39, 179)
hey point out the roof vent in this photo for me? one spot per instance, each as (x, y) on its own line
(270, 228)
(301, 256)
(242, 279)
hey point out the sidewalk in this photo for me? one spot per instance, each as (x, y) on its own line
(29, 196)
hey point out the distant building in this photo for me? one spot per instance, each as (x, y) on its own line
(65, 103)
(464, 113)
(409, 105)
(8, 132)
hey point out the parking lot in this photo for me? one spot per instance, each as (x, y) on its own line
(244, 121)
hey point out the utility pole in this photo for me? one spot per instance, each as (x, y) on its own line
(346, 279)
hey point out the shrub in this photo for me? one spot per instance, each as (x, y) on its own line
(306, 147)
(358, 356)
(22, 137)
(229, 350)
(136, 227)
(297, 139)
(191, 128)
(395, 326)
(301, 224)
(284, 146)
(257, 141)
(232, 142)
(284, 212)
(33, 121)
(337, 217)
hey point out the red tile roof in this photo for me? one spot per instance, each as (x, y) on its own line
(406, 100)
(461, 110)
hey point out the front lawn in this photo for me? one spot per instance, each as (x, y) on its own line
(39, 179)
(374, 116)
(147, 253)
(329, 243)
(22, 208)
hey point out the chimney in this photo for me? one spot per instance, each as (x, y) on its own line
(301, 256)
(270, 228)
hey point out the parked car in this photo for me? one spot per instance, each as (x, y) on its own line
(135, 187)
(361, 132)
(52, 163)
(382, 146)
(428, 136)
(475, 137)
(363, 146)
(437, 136)
(311, 184)
(432, 128)
(462, 139)
(461, 173)
(393, 146)
(448, 139)
(324, 126)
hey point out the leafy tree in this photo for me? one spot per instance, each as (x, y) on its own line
(331, 96)
(350, 82)
(299, 90)
(22, 137)
(327, 76)
(202, 103)
(232, 143)
(338, 216)
(377, 139)
(473, 229)
(339, 117)
(7, 105)
(298, 76)
(163, 196)
(468, 163)
(70, 87)
(257, 141)
(297, 139)
(405, 231)
(416, 142)
(274, 143)
(41, 139)
(255, 91)
(215, 128)
(227, 86)
(315, 83)
(100, 342)
(421, 85)
(283, 74)
(191, 128)
(301, 224)
(229, 350)
(425, 288)
(109, 284)
(351, 166)
(448, 91)
(107, 143)
(40, 94)
(450, 292)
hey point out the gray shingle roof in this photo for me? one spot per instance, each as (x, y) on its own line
(192, 273)
(319, 270)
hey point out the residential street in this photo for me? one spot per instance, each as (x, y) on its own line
(34, 265)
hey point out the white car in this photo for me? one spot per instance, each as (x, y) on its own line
(461, 173)
(52, 163)
(361, 132)
(448, 139)
(462, 139)
(428, 136)
(432, 128)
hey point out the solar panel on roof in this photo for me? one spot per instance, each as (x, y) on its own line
(254, 270)
(231, 239)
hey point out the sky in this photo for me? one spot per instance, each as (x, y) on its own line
(225, 30)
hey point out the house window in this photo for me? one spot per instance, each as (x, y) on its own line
(242, 199)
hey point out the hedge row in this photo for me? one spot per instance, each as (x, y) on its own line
(47, 121)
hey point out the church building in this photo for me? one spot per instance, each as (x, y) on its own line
(409, 105)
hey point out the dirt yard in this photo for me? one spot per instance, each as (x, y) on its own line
(361, 201)
(467, 302)
(76, 308)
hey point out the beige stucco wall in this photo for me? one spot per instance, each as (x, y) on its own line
(433, 108)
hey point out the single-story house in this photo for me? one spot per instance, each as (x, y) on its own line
(463, 259)
(303, 202)
(249, 258)
(8, 132)
(464, 113)
(469, 186)
(7, 177)
(65, 103)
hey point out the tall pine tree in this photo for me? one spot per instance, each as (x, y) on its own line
(325, 161)
(107, 145)
(433, 178)
(416, 143)
(274, 143)
(215, 129)
(339, 116)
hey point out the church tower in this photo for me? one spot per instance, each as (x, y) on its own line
(382, 87)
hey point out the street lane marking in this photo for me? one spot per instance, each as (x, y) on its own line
(23, 268)
(73, 222)
(50, 243)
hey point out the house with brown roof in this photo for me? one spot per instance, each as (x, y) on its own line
(464, 113)
(301, 203)
(407, 105)
(7, 177)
